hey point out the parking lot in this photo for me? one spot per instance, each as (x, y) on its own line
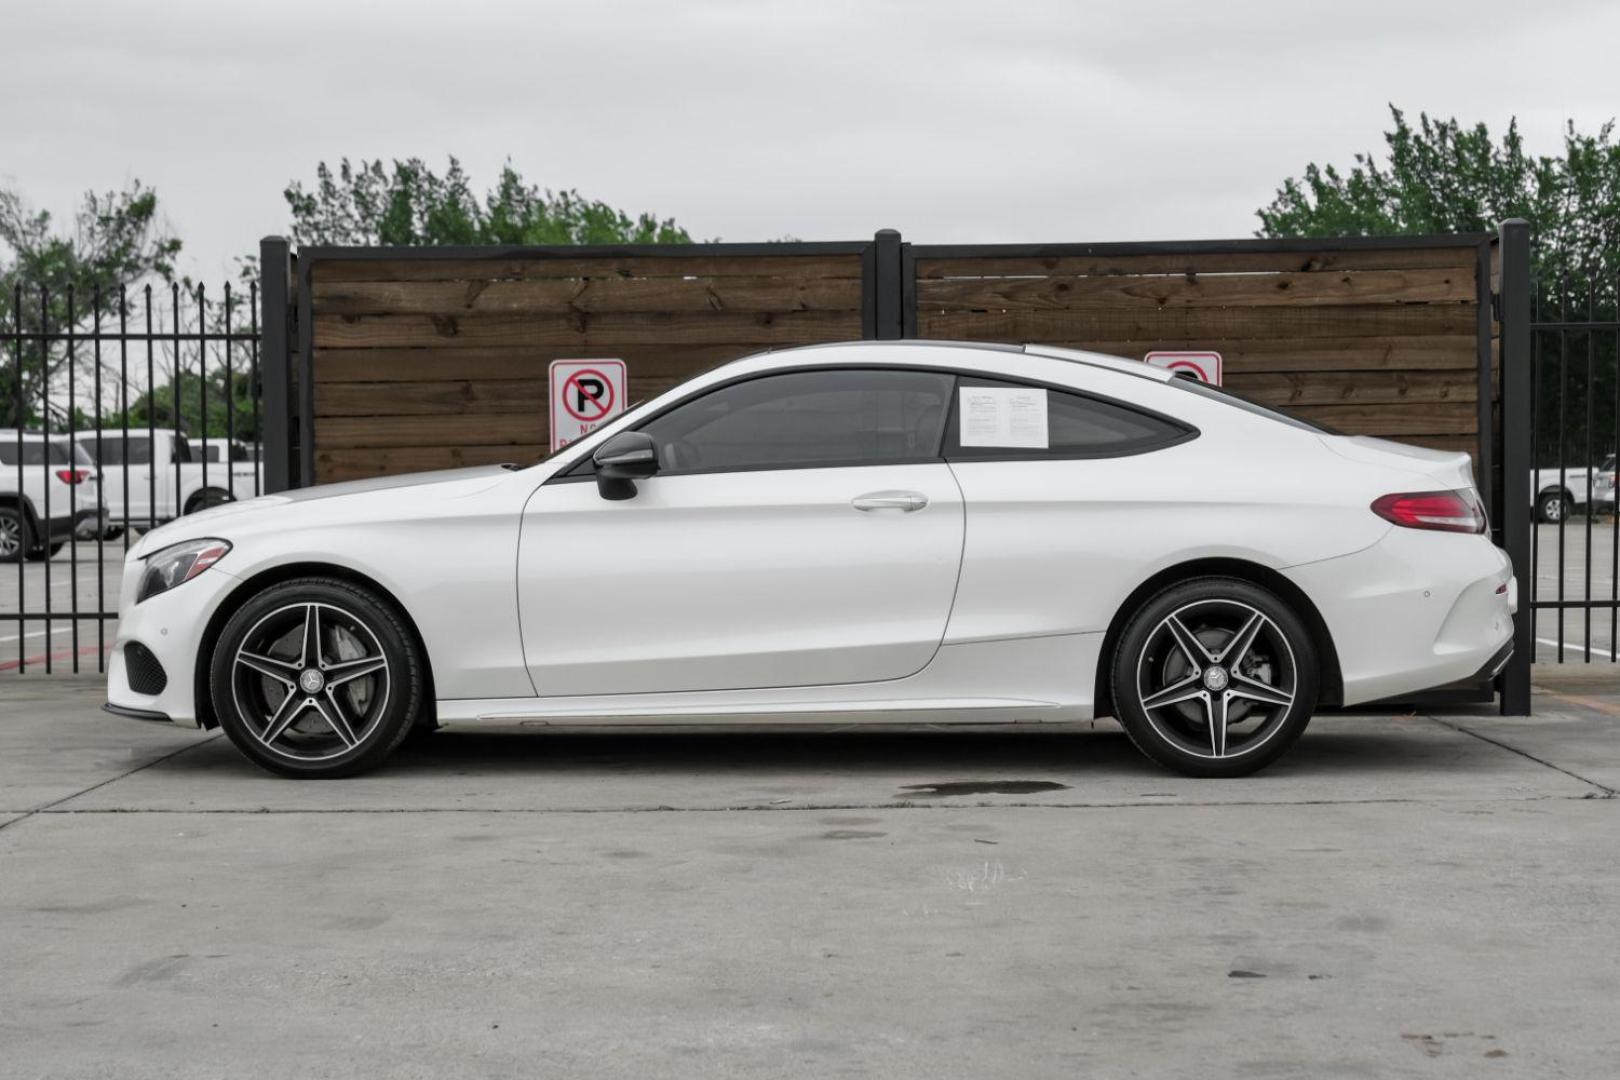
(1400, 896)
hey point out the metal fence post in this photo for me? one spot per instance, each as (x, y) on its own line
(889, 289)
(275, 368)
(1514, 307)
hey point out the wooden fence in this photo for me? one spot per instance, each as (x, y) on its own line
(1367, 340)
(433, 358)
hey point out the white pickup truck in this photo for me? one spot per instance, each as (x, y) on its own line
(47, 491)
(1557, 492)
(150, 476)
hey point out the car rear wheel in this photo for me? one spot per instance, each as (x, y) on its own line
(15, 538)
(1215, 677)
(317, 678)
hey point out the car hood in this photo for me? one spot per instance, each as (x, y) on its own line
(276, 511)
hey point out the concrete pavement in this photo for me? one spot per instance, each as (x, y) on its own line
(1401, 896)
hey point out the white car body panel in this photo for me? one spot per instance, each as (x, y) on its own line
(767, 578)
(749, 597)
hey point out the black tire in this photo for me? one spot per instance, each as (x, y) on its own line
(206, 498)
(16, 538)
(41, 553)
(1552, 507)
(277, 712)
(1174, 651)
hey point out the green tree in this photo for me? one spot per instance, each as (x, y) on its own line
(50, 279)
(156, 406)
(406, 202)
(1442, 177)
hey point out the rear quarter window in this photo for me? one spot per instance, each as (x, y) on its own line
(1077, 426)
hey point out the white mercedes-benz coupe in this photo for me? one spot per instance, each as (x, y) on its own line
(880, 533)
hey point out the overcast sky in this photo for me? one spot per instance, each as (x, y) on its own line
(970, 121)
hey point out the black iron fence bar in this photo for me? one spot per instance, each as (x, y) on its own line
(45, 398)
(1591, 463)
(256, 390)
(23, 527)
(151, 420)
(1573, 324)
(202, 388)
(1614, 518)
(1563, 445)
(49, 613)
(230, 406)
(1568, 605)
(166, 335)
(73, 486)
(101, 497)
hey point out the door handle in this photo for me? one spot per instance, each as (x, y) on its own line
(904, 501)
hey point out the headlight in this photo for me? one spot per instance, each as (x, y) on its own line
(178, 564)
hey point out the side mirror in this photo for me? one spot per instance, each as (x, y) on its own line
(621, 461)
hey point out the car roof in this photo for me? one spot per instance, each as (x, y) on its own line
(29, 436)
(1117, 364)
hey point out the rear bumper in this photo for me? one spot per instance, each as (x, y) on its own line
(1414, 612)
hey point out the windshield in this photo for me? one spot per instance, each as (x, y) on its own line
(1238, 401)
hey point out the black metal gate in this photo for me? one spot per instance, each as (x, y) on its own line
(118, 411)
(1574, 587)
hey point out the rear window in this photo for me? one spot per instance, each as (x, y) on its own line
(35, 452)
(1238, 401)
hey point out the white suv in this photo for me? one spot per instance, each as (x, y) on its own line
(48, 488)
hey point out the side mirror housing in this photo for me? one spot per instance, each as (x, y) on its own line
(621, 461)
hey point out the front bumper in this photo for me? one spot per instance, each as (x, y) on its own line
(1416, 611)
(171, 625)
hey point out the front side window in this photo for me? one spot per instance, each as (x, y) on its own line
(807, 419)
(1076, 425)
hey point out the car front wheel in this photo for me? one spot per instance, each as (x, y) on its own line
(1552, 507)
(1215, 677)
(317, 677)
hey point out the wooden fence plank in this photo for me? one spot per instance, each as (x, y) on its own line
(1200, 290)
(561, 296)
(524, 429)
(416, 364)
(1289, 389)
(1192, 323)
(353, 464)
(1389, 421)
(1414, 352)
(585, 331)
(801, 267)
(1461, 259)
(443, 397)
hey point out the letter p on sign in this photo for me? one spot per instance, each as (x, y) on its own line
(585, 394)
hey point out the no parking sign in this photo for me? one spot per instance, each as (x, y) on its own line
(585, 394)
(1203, 366)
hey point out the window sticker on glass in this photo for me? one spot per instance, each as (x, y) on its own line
(1001, 417)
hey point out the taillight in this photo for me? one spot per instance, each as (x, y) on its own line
(1446, 511)
(73, 476)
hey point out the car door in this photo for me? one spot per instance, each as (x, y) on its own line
(802, 530)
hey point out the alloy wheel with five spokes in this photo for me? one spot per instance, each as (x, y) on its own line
(1215, 677)
(316, 678)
